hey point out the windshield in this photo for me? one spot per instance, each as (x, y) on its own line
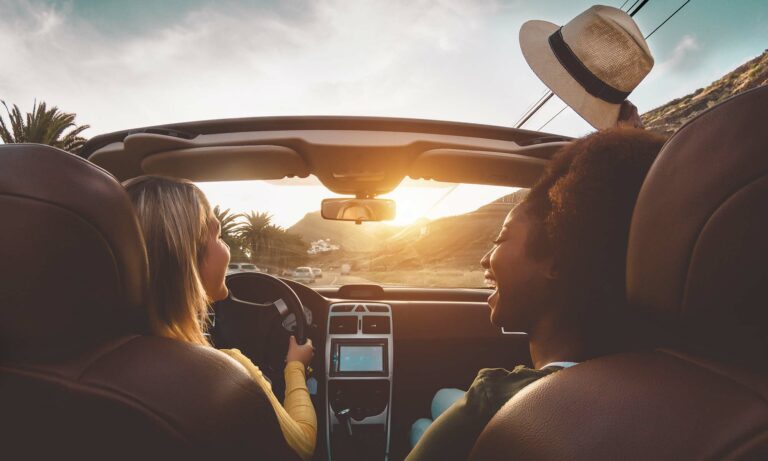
(439, 234)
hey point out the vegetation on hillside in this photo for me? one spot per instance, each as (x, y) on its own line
(453, 242)
(253, 237)
(672, 115)
(364, 237)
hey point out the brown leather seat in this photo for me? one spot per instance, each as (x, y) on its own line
(698, 267)
(78, 376)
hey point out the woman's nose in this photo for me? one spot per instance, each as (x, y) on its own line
(486, 261)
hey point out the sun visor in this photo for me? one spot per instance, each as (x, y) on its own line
(521, 169)
(227, 163)
(148, 153)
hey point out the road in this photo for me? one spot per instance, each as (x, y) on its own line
(337, 279)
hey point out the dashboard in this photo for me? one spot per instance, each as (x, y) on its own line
(382, 353)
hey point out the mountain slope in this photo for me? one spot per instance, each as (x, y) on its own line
(454, 241)
(350, 236)
(672, 115)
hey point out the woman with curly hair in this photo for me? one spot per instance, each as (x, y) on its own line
(558, 269)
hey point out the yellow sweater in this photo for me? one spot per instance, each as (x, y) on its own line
(297, 419)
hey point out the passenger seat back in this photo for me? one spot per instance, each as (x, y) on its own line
(697, 269)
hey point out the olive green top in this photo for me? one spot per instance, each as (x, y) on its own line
(453, 434)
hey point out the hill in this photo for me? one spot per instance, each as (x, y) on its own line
(451, 242)
(350, 237)
(672, 115)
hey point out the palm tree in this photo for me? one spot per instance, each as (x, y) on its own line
(255, 234)
(270, 245)
(228, 222)
(229, 231)
(43, 126)
(271, 255)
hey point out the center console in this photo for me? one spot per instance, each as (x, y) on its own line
(358, 381)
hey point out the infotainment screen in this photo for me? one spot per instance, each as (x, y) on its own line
(368, 358)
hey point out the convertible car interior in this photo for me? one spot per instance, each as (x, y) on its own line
(81, 378)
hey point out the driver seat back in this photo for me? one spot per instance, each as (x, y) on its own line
(79, 376)
(696, 270)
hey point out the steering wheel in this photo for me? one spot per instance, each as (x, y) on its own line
(253, 318)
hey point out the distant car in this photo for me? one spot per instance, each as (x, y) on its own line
(236, 268)
(317, 272)
(345, 269)
(304, 274)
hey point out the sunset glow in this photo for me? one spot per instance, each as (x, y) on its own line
(289, 203)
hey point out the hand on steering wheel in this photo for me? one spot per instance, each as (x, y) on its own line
(251, 319)
(303, 353)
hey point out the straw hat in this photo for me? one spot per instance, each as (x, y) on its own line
(592, 63)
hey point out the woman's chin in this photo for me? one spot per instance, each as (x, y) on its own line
(222, 293)
(492, 300)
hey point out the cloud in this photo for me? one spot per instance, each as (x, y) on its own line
(399, 58)
(679, 58)
(128, 64)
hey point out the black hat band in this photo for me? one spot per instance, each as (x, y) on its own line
(589, 81)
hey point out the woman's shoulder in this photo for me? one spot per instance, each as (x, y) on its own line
(489, 375)
(500, 384)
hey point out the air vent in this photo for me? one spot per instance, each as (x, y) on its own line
(343, 324)
(376, 324)
(342, 308)
(377, 308)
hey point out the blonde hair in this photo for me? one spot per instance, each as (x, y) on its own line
(175, 217)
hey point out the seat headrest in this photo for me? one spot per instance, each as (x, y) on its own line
(698, 245)
(73, 266)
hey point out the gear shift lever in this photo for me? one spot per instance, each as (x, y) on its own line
(344, 416)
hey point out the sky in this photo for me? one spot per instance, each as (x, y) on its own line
(126, 64)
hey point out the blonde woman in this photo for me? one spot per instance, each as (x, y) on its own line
(187, 264)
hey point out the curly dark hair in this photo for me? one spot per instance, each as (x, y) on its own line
(582, 208)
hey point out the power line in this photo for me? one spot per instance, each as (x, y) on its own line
(440, 200)
(528, 110)
(552, 118)
(640, 7)
(543, 95)
(668, 18)
(632, 5)
(535, 109)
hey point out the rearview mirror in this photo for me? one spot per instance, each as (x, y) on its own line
(358, 209)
